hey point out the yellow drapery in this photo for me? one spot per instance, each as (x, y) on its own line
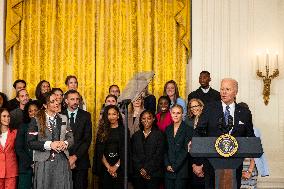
(102, 42)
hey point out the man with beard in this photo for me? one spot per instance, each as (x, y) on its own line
(80, 122)
(205, 92)
(17, 114)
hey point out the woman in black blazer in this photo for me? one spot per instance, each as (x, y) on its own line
(147, 153)
(178, 136)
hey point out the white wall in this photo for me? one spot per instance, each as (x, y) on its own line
(226, 36)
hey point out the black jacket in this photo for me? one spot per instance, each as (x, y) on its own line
(24, 154)
(82, 132)
(98, 166)
(206, 98)
(176, 154)
(148, 153)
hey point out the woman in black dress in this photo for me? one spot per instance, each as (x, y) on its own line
(109, 159)
(147, 153)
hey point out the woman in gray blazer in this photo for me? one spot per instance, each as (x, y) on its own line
(50, 135)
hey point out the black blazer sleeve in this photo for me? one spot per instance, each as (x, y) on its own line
(137, 163)
(183, 155)
(81, 147)
(157, 158)
(32, 137)
(25, 160)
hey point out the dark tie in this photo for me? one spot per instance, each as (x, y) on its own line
(226, 114)
(72, 121)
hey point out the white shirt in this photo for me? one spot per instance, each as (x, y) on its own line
(3, 138)
(231, 109)
(206, 90)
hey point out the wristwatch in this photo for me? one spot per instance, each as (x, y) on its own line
(117, 165)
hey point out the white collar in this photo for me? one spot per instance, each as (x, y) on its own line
(205, 90)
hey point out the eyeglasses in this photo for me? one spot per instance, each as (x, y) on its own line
(191, 107)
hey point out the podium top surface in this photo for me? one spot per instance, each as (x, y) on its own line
(248, 147)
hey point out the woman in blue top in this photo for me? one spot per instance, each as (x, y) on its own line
(171, 90)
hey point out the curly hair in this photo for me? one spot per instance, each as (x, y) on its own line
(104, 124)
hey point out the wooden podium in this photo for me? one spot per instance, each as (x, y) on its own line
(225, 167)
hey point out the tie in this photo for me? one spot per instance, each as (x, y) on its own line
(226, 114)
(72, 121)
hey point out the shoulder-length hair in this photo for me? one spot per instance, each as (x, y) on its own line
(1, 111)
(38, 89)
(5, 100)
(41, 116)
(104, 124)
(176, 90)
(26, 116)
(200, 103)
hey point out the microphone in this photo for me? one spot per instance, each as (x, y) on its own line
(230, 123)
(220, 123)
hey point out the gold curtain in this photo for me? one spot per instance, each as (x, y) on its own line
(102, 42)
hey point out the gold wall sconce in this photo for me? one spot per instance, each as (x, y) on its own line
(268, 76)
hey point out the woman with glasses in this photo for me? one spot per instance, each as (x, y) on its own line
(195, 107)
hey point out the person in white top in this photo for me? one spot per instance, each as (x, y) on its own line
(8, 163)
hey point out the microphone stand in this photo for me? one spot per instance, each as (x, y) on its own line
(124, 105)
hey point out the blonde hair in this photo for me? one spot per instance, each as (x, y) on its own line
(200, 103)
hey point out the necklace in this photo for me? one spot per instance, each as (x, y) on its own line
(146, 134)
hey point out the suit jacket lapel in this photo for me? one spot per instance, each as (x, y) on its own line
(236, 118)
(8, 141)
(58, 124)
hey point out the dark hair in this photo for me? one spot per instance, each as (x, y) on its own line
(56, 89)
(104, 125)
(1, 111)
(41, 116)
(154, 125)
(26, 116)
(5, 100)
(18, 93)
(176, 90)
(110, 95)
(244, 105)
(38, 89)
(113, 86)
(205, 72)
(19, 81)
(70, 77)
(72, 91)
(163, 98)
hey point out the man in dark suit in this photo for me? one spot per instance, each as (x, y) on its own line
(14, 103)
(205, 92)
(80, 122)
(217, 114)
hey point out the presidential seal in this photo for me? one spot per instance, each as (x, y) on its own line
(226, 145)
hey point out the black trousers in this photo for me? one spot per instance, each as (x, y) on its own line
(176, 183)
(141, 183)
(80, 179)
(108, 182)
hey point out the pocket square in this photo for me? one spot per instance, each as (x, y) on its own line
(241, 123)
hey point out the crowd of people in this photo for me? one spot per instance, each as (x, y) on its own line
(45, 142)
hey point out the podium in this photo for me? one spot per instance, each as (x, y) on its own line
(204, 147)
